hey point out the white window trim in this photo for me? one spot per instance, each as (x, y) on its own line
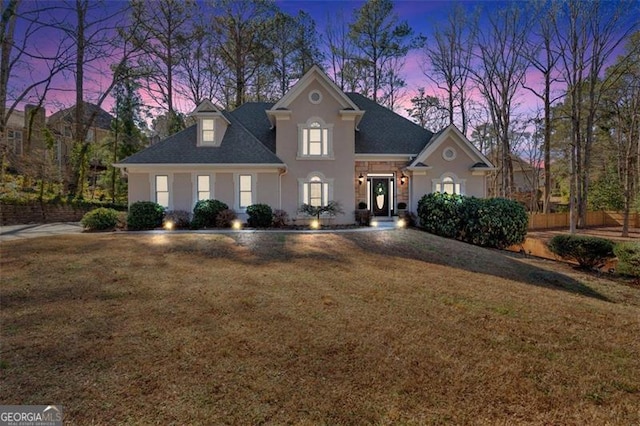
(305, 126)
(438, 181)
(152, 196)
(313, 92)
(236, 191)
(194, 185)
(323, 179)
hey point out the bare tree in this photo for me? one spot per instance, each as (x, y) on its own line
(499, 75)
(428, 112)
(586, 35)
(449, 56)
(543, 57)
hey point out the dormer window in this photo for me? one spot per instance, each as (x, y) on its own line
(207, 131)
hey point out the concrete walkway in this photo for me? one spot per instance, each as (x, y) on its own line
(21, 232)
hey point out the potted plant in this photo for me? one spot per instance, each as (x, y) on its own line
(363, 215)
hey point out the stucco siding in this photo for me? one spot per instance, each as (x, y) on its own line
(338, 169)
(224, 188)
(182, 194)
(139, 187)
(267, 189)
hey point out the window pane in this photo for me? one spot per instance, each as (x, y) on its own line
(315, 135)
(315, 148)
(162, 198)
(245, 182)
(207, 124)
(207, 136)
(316, 190)
(204, 195)
(458, 189)
(203, 183)
(245, 199)
(305, 193)
(315, 125)
(325, 194)
(162, 183)
(448, 188)
(325, 143)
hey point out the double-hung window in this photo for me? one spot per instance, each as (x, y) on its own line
(162, 190)
(207, 131)
(204, 187)
(245, 187)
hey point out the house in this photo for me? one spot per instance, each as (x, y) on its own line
(62, 126)
(24, 134)
(316, 144)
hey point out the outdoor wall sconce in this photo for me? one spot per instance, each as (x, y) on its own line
(360, 179)
(403, 179)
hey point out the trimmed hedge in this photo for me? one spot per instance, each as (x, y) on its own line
(181, 219)
(628, 255)
(260, 215)
(225, 218)
(206, 211)
(144, 215)
(589, 252)
(492, 222)
(100, 219)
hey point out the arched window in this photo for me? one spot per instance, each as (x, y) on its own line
(315, 190)
(315, 139)
(449, 184)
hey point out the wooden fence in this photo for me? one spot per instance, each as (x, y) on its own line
(594, 219)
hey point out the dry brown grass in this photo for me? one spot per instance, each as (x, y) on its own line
(353, 328)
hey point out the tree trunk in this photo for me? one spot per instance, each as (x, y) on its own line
(81, 150)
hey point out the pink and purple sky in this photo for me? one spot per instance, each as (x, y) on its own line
(421, 15)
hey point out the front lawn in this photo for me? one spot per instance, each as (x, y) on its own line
(351, 328)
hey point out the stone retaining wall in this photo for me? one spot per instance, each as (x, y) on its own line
(11, 214)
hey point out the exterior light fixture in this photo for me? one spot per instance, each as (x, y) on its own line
(314, 224)
(168, 225)
(236, 224)
(360, 179)
(374, 223)
(403, 179)
(401, 223)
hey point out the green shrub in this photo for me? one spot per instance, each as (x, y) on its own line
(331, 209)
(145, 215)
(280, 218)
(628, 255)
(439, 214)
(260, 215)
(181, 219)
(493, 222)
(589, 252)
(225, 218)
(100, 219)
(206, 211)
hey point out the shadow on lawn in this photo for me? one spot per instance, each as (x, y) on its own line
(254, 249)
(418, 245)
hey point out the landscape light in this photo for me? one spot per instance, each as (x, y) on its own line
(236, 224)
(168, 225)
(315, 224)
(401, 223)
(374, 223)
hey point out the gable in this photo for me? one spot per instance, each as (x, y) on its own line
(452, 146)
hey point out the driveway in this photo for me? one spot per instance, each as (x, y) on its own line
(20, 232)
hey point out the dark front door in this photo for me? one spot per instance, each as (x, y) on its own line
(380, 196)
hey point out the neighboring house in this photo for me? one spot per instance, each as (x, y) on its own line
(62, 125)
(16, 140)
(316, 144)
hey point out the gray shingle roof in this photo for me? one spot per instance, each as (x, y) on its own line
(250, 138)
(254, 118)
(102, 118)
(382, 131)
(238, 146)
